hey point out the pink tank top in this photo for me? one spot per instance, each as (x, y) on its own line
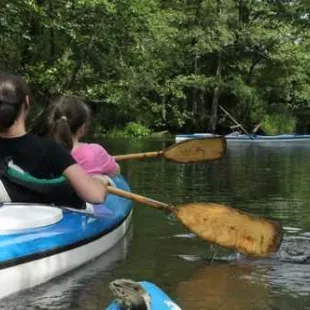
(94, 159)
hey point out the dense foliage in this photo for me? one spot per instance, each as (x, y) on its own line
(164, 64)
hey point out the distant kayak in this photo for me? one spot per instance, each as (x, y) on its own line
(248, 138)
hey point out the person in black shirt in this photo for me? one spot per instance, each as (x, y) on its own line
(41, 157)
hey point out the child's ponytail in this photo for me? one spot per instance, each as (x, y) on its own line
(60, 131)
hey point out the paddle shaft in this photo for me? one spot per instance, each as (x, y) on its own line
(139, 198)
(138, 155)
(235, 121)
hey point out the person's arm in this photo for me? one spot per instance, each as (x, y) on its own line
(88, 188)
(116, 171)
(61, 163)
(110, 166)
(95, 159)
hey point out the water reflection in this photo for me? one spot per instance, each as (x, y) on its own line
(222, 286)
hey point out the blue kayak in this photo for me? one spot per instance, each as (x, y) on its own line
(248, 138)
(158, 300)
(41, 242)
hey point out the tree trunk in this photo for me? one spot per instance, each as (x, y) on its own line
(216, 96)
(216, 92)
(52, 32)
(164, 110)
(194, 105)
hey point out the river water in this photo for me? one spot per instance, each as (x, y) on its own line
(270, 180)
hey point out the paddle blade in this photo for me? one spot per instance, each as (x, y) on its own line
(230, 228)
(196, 150)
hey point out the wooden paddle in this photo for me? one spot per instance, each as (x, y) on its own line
(220, 224)
(188, 151)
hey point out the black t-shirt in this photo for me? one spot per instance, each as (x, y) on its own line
(41, 157)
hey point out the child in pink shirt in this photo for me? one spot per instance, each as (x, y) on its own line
(68, 119)
(94, 159)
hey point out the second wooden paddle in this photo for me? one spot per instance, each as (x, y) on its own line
(220, 224)
(188, 151)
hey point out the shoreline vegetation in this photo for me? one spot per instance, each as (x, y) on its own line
(147, 67)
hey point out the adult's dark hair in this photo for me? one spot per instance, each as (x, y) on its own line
(65, 116)
(13, 92)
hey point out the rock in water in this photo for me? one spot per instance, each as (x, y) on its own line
(130, 295)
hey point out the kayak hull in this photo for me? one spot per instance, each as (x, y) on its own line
(33, 273)
(34, 256)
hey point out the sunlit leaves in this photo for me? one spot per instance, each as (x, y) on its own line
(155, 61)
